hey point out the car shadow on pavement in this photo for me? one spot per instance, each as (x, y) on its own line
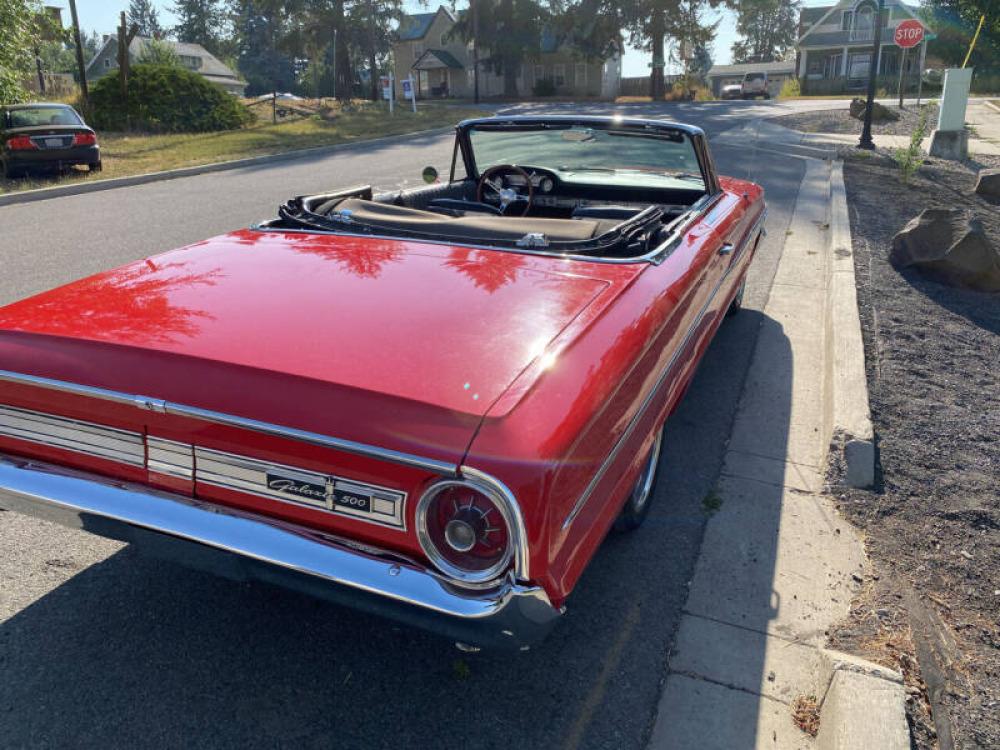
(722, 689)
(136, 652)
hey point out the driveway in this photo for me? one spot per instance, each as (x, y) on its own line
(101, 647)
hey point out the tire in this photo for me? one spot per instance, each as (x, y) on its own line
(95, 167)
(767, 96)
(637, 506)
(10, 172)
(737, 304)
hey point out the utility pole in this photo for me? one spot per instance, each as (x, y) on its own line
(475, 48)
(81, 68)
(866, 141)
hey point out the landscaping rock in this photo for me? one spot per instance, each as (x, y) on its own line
(988, 184)
(950, 246)
(880, 113)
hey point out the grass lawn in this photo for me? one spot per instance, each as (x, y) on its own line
(124, 154)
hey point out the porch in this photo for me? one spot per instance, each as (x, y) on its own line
(845, 69)
(438, 74)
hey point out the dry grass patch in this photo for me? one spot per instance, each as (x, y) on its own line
(805, 714)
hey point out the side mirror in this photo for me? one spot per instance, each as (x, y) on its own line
(430, 175)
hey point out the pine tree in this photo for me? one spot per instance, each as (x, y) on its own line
(769, 29)
(143, 14)
(201, 22)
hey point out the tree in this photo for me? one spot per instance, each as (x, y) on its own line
(700, 62)
(157, 52)
(769, 29)
(954, 35)
(970, 11)
(202, 22)
(262, 31)
(510, 31)
(143, 14)
(23, 25)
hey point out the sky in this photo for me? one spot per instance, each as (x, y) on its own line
(102, 16)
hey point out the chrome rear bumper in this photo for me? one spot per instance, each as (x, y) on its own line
(244, 546)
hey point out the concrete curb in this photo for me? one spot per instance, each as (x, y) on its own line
(59, 191)
(850, 418)
(991, 105)
(863, 706)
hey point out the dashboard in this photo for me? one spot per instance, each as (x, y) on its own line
(572, 189)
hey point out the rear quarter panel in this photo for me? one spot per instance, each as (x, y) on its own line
(553, 431)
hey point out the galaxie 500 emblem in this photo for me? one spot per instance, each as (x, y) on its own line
(298, 487)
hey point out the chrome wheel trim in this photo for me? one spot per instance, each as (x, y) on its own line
(644, 487)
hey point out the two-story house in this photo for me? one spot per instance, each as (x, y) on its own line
(836, 43)
(441, 63)
(192, 56)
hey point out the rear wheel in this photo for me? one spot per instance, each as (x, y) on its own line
(10, 172)
(637, 506)
(95, 167)
(737, 304)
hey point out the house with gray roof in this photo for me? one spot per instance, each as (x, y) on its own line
(441, 63)
(836, 44)
(192, 56)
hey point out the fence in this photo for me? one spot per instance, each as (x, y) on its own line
(56, 84)
(639, 85)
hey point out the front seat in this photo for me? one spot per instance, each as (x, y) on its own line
(462, 206)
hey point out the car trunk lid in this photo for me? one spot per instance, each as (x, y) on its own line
(397, 344)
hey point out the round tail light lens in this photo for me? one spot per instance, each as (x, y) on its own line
(464, 531)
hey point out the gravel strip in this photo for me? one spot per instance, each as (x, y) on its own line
(932, 524)
(840, 121)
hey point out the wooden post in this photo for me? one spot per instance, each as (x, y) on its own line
(41, 74)
(82, 69)
(902, 66)
(125, 37)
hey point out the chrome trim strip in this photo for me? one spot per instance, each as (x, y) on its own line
(509, 614)
(240, 473)
(109, 443)
(620, 443)
(160, 406)
(170, 457)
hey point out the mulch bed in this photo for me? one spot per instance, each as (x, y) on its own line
(932, 523)
(840, 121)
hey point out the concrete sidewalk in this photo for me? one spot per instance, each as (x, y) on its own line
(767, 134)
(778, 565)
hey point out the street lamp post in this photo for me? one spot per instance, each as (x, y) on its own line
(866, 141)
(475, 48)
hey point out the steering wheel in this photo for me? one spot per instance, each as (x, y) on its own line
(492, 178)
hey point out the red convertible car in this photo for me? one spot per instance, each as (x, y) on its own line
(432, 404)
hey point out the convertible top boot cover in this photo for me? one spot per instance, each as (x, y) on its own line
(510, 228)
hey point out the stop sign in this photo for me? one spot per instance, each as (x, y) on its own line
(909, 34)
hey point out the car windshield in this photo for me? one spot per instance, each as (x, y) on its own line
(27, 117)
(631, 153)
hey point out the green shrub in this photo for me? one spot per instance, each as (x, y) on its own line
(791, 87)
(544, 87)
(165, 99)
(910, 158)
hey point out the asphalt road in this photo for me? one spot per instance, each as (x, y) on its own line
(102, 647)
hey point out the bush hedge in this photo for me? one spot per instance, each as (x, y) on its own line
(165, 99)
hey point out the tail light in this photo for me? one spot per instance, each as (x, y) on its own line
(465, 530)
(21, 143)
(84, 139)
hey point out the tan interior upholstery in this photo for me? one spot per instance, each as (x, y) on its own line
(474, 226)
